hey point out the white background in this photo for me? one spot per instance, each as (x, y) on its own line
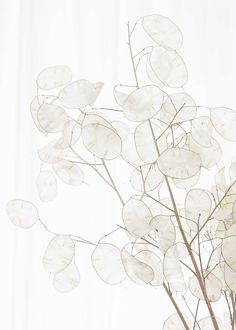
(89, 36)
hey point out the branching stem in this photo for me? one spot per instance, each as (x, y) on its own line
(188, 246)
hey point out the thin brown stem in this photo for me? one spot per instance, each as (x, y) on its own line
(199, 248)
(112, 182)
(232, 297)
(142, 238)
(108, 234)
(176, 307)
(82, 163)
(197, 271)
(140, 52)
(214, 209)
(157, 201)
(108, 109)
(73, 237)
(195, 316)
(139, 60)
(169, 126)
(135, 24)
(229, 309)
(91, 166)
(187, 266)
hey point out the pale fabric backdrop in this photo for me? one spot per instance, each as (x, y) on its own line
(89, 36)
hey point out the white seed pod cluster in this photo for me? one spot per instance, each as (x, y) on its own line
(169, 143)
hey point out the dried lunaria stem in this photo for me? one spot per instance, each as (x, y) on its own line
(187, 245)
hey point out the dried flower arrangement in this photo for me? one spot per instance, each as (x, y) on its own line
(187, 245)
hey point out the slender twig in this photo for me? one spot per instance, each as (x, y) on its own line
(106, 235)
(187, 305)
(199, 248)
(232, 297)
(112, 182)
(82, 163)
(176, 306)
(159, 202)
(229, 309)
(139, 60)
(145, 48)
(195, 316)
(187, 266)
(135, 24)
(142, 238)
(169, 126)
(214, 209)
(210, 256)
(91, 166)
(108, 109)
(74, 237)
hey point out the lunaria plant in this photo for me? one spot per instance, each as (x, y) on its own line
(181, 233)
